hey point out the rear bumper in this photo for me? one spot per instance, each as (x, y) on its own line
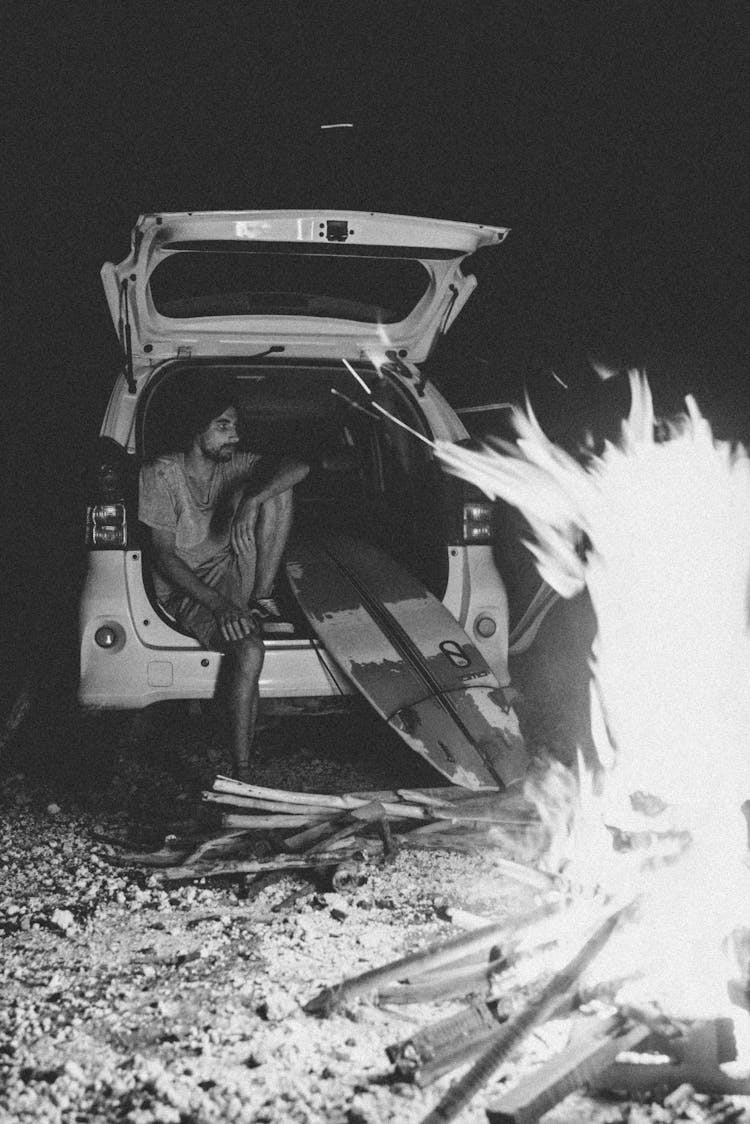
(152, 662)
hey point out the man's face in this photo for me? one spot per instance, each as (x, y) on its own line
(219, 439)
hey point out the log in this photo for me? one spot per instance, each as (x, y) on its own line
(442, 986)
(696, 1059)
(368, 813)
(250, 866)
(439, 795)
(394, 806)
(578, 1064)
(225, 843)
(561, 986)
(435, 955)
(440, 1047)
(274, 822)
(414, 796)
(241, 788)
(427, 797)
(301, 840)
(255, 804)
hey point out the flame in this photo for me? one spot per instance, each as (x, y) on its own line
(657, 529)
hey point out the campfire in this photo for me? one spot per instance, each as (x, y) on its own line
(657, 530)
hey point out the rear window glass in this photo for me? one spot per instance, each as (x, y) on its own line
(210, 283)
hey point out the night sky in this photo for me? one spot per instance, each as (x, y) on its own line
(612, 137)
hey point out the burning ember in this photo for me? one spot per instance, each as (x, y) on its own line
(657, 529)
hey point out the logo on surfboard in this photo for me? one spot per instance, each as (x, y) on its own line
(453, 651)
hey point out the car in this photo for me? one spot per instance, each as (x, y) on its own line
(320, 318)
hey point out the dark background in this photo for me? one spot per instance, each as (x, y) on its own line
(611, 137)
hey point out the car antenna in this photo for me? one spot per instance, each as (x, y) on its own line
(126, 338)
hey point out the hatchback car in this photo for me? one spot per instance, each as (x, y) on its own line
(277, 301)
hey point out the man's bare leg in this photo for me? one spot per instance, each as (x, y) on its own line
(245, 660)
(271, 536)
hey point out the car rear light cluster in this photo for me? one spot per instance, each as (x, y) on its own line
(106, 526)
(477, 522)
(106, 511)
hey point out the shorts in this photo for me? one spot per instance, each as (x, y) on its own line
(233, 580)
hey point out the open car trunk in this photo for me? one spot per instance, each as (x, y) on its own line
(368, 478)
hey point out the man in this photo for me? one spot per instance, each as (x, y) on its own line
(219, 522)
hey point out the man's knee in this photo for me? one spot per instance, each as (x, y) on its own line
(276, 512)
(280, 504)
(247, 655)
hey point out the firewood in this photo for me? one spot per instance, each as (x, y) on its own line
(301, 840)
(249, 866)
(576, 1065)
(255, 804)
(273, 822)
(435, 955)
(368, 813)
(696, 1058)
(482, 809)
(414, 796)
(441, 1046)
(241, 788)
(447, 793)
(520, 872)
(471, 980)
(562, 984)
(226, 843)
(423, 797)
(461, 918)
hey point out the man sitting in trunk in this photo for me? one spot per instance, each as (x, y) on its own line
(219, 520)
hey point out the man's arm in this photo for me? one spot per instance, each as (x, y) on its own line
(282, 477)
(283, 474)
(232, 619)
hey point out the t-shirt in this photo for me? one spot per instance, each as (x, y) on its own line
(168, 501)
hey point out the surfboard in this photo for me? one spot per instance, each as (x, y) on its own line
(409, 657)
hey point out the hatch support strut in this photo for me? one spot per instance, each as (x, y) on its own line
(125, 337)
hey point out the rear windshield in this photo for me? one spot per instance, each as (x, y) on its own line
(228, 283)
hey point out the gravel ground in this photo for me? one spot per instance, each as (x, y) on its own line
(126, 1002)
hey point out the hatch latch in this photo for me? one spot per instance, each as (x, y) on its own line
(337, 230)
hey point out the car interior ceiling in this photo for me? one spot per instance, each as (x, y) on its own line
(368, 478)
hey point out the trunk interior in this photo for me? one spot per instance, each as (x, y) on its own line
(368, 478)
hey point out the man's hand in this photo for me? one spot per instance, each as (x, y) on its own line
(234, 622)
(242, 534)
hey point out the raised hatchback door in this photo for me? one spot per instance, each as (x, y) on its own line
(322, 284)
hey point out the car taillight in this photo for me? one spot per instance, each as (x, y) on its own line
(477, 522)
(106, 526)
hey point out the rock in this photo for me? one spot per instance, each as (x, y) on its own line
(53, 809)
(63, 920)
